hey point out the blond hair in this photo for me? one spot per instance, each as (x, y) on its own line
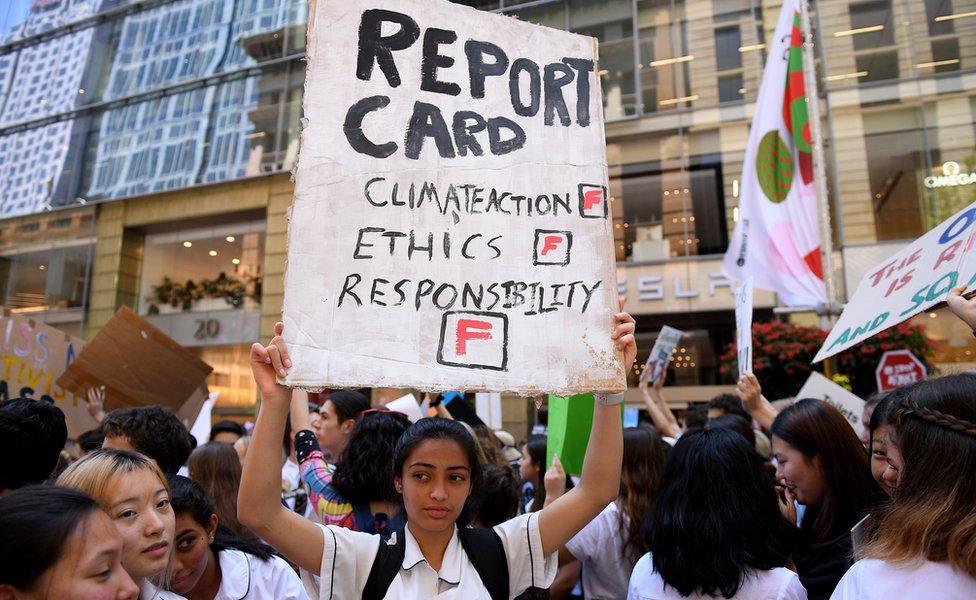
(93, 473)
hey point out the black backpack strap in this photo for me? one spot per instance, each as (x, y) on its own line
(487, 555)
(389, 558)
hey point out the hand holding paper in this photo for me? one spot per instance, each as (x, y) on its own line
(269, 362)
(554, 480)
(623, 337)
(962, 307)
(753, 401)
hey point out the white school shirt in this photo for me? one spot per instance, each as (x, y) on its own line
(148, 591)
(776, 584)
(871, 578)
(598, 547)
(348, 556)
(247, 577)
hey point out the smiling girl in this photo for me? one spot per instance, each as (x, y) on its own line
(133, 491)
(212, 563)
(435, 469)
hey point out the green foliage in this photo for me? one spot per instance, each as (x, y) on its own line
(782, 355)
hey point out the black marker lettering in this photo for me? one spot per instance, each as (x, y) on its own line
(427, 121)
(478, 69)
(347, 289)
(373, 46)
(500, 146)
(583, 69)
(431, 61)
(360, 244)
(464, 132)
(353, 128)
(557, 76)
(535, 87)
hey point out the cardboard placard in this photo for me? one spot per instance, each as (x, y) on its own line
(908, 283)
(568, 430)
(451, 226)
(407, 404)
(34, 355)
(821, 388)
(138, 365)
(743, 325)
(660, 356)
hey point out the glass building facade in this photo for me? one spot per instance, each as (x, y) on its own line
(107, 101)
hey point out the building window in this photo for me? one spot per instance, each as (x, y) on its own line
(730, 88)
(728, 40)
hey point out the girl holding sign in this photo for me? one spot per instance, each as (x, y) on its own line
(435, 469)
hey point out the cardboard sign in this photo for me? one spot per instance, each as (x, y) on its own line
(568, 431)
(488, 405)
(34, 355)
(138, 365)
(407, 404)
(660, 356)
(821, 388)
(451, 226)
(743, 325)
(899, 368)
(910, 282)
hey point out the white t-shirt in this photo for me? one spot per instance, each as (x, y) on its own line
(348, 556)
(776, 584)
(148, 591)
(598, 547)
(247, 577)
(871, 578)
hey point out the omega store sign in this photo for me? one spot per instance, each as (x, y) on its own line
(680, 287)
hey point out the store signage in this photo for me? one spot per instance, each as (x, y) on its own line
(952, 176)
(910, 282)
(216, 328)
(450, 228)
(899, 368)
(681, 286)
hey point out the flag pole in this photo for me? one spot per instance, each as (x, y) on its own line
(820, 173)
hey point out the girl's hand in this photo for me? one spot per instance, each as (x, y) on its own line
(554, 480)
(267, 364)
(623, 335)
(787, 503)
(749, 392)
(962, 307)
(95, 403)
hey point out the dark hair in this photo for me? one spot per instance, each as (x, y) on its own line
(154, 431)
(91, 440)
(931, 516)
(818, 430)
(734, 422)
(640, 477)
(364, 470)
(348, 404)
(731, 404)
(695, 417)
(216, 467)
(716, 517)
(189, 498)
(490, 444)
(32, 434)
(227, 426)
(535, 446)
(441, 429)
(500, 495)
(878, 414)
(37, 522)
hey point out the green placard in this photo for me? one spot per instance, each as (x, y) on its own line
(570, 421)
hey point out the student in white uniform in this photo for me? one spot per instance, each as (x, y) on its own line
(609, 546)
(715, 529)
(924, 544)
(213, 563)
(436, 471)
(133, 491)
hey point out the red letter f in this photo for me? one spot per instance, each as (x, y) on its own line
(550, 242)
(592, 198)
(465, 332)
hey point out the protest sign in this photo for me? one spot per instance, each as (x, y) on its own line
(660, 356)
(631, 416)
(898, 368)
(488, 405)
(406, 404)
(821, 388)
(568, 431)
(138, 365)
(743, 325)
(34, 355)
(910, 282)
(451, 225)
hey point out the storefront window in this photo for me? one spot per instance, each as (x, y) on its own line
(696, 360)
(44, 265)
(203, 270)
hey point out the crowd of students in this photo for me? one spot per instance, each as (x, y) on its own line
(331, 498)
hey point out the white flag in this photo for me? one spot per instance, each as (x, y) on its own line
(777, 237)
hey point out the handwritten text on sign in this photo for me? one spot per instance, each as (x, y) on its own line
(910, 282)
(451, 227)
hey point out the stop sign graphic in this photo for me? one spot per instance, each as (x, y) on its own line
(899, 368)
